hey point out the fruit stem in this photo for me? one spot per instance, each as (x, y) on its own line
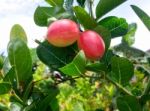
(90, 2)
(37, 41)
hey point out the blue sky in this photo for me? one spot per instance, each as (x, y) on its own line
(21, 12)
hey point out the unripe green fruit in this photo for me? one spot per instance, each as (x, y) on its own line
(92, 44)
(62, 33)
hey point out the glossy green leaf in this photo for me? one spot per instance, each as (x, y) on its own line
(81, 2)
(96, 67)
(84, 18)
(19, 57)
(105, 34)
(55, 57)
(42, 14)
(18, 32)
(117, 26)
(5, 88)
(55, 2)
(122, 70)
(104, 6)
(129, 38)
(128, 103)
(76, 67)
(142, 15)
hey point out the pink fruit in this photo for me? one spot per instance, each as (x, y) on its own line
(92, 44)
(62, 33)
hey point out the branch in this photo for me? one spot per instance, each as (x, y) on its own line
(67, 79)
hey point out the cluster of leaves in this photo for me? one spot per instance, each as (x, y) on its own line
(49, 78)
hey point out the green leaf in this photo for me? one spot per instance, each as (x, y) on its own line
(96, 67)
(84, 18)
(107, 57)
(42, 14)
(144, 99)
(10, 76)
(128, 103)
(64, 15)
(34, 56)
(6, 65)
(104, 6)
(43, 104)
(55, 105)
(129, 38)
(81, 2)
(18, 32)
(1, 62)
(55, 57)
(142, 15)
(55, 2)
(122, 70)
(76, 67)
(3, 107)
(16, 99)
(78, 106)
(117, 26)
(105, 34)
(4, 88)
(27, 91)
(20, 59)
(129, 51)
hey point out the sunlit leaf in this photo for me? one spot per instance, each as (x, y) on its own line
(18, 32)
(19, 57)
(76, 67)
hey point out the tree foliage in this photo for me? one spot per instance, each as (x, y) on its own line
(49, 78)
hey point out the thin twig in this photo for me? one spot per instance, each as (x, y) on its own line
(90, 2)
